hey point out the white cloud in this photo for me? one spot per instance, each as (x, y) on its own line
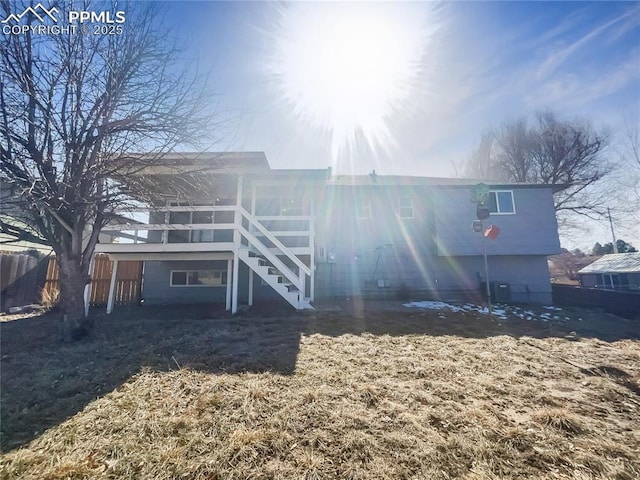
(559, 57)
(577, 89)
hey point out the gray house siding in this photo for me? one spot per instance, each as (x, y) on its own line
(367, 275)
(342, 233)
(532, 230)
(377, 254)
(436, 249)
(588, 279)
(157, 290)
(527, 276)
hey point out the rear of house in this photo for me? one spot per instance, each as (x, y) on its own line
(250, 232)
(413, 235)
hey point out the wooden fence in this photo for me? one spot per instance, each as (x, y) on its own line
(128, 280)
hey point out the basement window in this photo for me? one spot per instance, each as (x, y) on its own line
(198, 278)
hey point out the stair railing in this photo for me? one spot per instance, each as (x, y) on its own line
(298, 281)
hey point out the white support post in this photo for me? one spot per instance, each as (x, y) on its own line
(251, 274)
(87, 287)
(112, 286)
(312, 246)
(236, 246)
(165, 233)
(229, 277)
(253, 204)
(234, 294)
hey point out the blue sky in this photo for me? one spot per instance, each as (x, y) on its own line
(481, 64)
(487, 62)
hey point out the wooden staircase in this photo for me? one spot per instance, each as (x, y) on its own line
(289, 283)
(275, 279)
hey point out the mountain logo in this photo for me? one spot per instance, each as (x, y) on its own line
(39, 11)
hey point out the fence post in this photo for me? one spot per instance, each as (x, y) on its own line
(112, 286)
(87, 287)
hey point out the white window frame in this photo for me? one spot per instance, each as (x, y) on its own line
(365, 205)
(187, 272)
(513, 202)
(402, 207)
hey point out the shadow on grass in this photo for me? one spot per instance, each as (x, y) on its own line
(44, 382)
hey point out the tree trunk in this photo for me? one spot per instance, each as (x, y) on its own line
(72, 282)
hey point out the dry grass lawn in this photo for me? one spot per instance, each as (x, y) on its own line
(378, 395)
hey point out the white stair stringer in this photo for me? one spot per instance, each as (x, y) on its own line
(273, 277)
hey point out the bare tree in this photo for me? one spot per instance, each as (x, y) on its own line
(569, 154)
(567, 264)
(629, 174)
(72, 108)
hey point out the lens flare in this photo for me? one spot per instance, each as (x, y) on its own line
(347, 68)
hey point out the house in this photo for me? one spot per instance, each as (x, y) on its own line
(225, 227)
(613, 271)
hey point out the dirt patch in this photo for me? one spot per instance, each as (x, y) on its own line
(392, 394)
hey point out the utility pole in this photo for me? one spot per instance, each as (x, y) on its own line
(486, 268)
(479, 195)
(613, 235)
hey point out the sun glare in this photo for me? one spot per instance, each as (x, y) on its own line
(348, 67)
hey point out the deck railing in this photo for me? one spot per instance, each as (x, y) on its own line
(154, 225)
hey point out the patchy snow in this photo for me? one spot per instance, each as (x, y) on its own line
(499, 310)
(429, 305)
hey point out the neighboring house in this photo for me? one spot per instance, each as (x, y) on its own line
(240, 231)
(619, 271)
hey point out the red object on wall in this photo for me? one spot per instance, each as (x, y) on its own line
(492, 232)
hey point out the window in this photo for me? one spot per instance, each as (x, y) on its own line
(198, 278)
(405, 206)
(363, 209)
(613, 280)
(501, 202)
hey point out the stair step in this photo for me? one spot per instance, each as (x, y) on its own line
(282, 285)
